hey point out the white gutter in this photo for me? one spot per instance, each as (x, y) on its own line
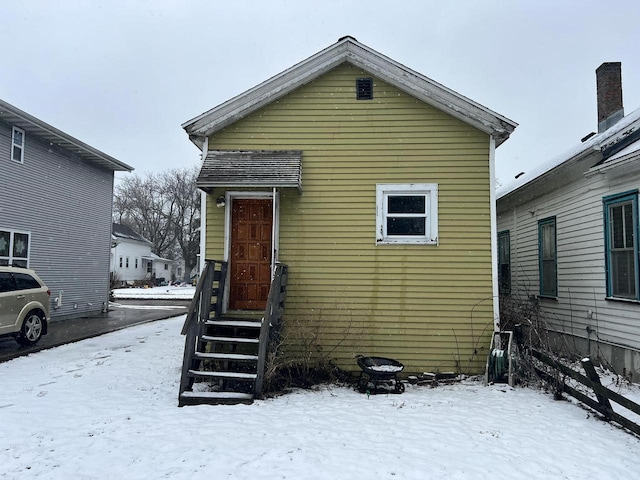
(494, 234)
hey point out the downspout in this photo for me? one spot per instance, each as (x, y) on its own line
(274, 252)
(494, 234)
(203, 211)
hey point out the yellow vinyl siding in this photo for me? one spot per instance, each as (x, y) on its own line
(428, 306)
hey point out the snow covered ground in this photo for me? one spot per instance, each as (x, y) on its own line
(171, 292)
(107, 408)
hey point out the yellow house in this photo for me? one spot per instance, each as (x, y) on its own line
(375, 185)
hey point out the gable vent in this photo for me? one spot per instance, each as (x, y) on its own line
(364, 88)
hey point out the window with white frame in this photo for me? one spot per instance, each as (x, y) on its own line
(126, 262)
(17, 145)
(14, 248)
(136, 262)
(120, 262)
(407, 213)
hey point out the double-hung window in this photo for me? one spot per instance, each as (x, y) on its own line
(14, 248)
(504, 262)
(407, 213)
(17, 145)
(621, 245)
(548, 258)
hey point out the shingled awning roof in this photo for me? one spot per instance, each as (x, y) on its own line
(251, 168)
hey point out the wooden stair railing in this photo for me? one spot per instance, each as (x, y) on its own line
(271, 323)
(227, 354)
(198, 314)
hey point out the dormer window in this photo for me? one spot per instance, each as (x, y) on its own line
(364, 88)
(17, 145)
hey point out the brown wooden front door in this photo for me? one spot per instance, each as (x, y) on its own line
(251, 225)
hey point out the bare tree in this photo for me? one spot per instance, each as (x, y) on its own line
(180, 185)
(165, 209)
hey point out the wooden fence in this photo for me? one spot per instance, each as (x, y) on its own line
(604, 396)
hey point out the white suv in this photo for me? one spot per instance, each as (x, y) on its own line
(24, 305)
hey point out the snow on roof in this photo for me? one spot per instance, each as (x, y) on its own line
(626, 151)
(124, 231)
(596, 143)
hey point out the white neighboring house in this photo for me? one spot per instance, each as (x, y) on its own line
(568, 236)
(179, 270)
(132, 260)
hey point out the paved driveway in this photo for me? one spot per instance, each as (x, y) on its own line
(121, 315)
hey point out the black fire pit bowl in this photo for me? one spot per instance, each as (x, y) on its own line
(379, 375)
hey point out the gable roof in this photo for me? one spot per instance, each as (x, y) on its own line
(119, 230)
(617, 139)
(349, 50)
(30, 124)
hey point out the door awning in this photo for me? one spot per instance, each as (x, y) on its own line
(251, 168)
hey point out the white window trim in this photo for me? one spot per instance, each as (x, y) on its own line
(430, 190)
(13, 144)
(10, 259)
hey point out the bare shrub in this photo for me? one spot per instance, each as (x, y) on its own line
(297, 357)
(533, 330)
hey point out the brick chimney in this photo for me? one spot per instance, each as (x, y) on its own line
(609, 91)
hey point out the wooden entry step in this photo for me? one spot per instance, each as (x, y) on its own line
(209, 338)
(219, 398)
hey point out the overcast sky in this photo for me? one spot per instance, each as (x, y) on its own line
(123, 75)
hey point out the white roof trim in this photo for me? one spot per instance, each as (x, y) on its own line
(351, 51)
(629, 154)
(32, 125)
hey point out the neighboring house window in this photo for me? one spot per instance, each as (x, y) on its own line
(136, 263)
(179, 272)
(127, 262)
(548, 257)
(17, 145)
(407, 213)
(166, 266)
(504, 262)
(14, 248)
(621, 245)
(120, 262)
(149, 266)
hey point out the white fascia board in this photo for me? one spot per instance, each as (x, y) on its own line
(432, 93)
(632, 159)
(266, 92)
(369, 60)
(31, 124)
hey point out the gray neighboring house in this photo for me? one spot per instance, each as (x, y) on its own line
(568, 235)
(56, 196)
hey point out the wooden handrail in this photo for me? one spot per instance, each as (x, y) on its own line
(270, 322)
(195, 301)
(198, 313)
